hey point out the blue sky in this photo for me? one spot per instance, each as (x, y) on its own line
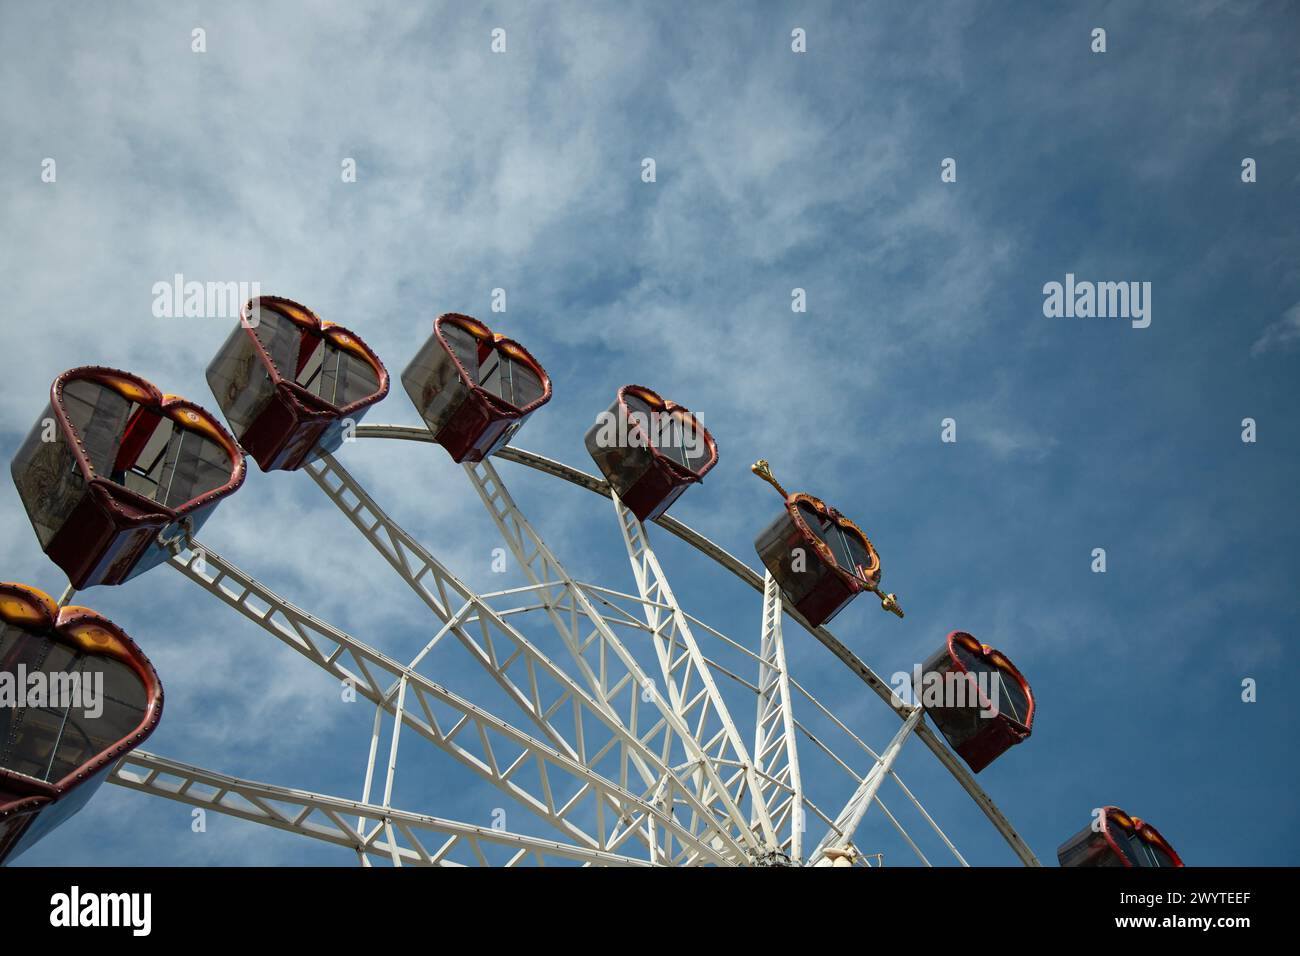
(774, 171)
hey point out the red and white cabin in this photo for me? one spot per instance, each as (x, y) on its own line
(55, 753)
(112, 465)
(650, 450)
(473, 388)
(290, 384)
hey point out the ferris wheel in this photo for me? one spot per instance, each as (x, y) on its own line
(625, 730)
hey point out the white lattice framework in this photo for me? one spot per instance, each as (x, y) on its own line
(618, 738)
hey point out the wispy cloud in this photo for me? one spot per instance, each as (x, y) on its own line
(1282, 335)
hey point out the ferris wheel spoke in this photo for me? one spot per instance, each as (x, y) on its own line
(781, 799)
(776, 753)
(381, 832)
(614, 666)
(477, 739)
(500, 648)
(671, 631)
(775, 778)
(832, 827)
(440, 590)
(846, 824)
(843, 765)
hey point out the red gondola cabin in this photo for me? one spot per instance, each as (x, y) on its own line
(112, 465)
(820, 558)
(1117, 839)
(977, 698)
(75, 694)
(650, 450)
(289, 383)
(474, 388)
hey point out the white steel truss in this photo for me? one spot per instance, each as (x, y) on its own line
(950, 761)
(550, 693)
(605, 662)
(776, 753)
(395, 835)
(846, 824)
(527, 769)
(682, 665)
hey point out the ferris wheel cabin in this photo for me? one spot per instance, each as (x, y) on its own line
(111, 464)
(820, 558)
(650, 450)
(57, 748)
(289, 383)
(977, 698)
(1118, 839)
(474, 388)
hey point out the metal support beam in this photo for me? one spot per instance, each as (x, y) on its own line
(681, 663)
(525, 768)
(776, 753)
(382, 832)
(846, 824)
(606, 663)
(550, 694)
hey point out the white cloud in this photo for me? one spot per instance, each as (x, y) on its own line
(1281, 335)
